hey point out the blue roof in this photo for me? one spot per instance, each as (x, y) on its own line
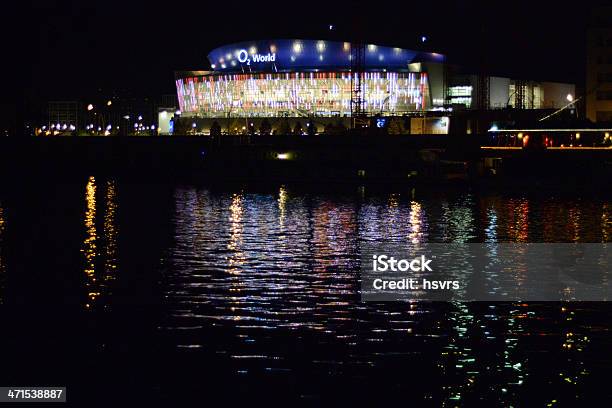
(309, 55)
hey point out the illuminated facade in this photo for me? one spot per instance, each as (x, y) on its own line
(296, 78)
(299, 94)
(299, 78)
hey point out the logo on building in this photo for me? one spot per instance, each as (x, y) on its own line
(243, 57)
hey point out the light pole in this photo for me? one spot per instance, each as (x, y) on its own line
(127, 124)
(229, 113)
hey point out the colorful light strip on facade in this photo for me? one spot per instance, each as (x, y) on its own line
(300, 94)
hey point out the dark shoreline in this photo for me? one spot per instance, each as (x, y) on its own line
(343, 159)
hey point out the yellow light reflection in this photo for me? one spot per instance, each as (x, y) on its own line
(99, 247)
(606, 223)
(90, 242)
(236, 259)
(110, 231)
(415, 222)
(393, 200)
(574, 222)
(282, 205)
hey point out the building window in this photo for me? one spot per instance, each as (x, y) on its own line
(604, 59)
(467, 101)
(460, 91)
(460, 95)
(604, 77)
(603, 116)
(604, 95)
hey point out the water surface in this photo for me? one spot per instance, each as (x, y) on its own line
(155, 292)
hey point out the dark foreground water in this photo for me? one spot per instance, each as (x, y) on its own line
(171, 293)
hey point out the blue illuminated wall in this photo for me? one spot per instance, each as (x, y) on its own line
(308, 55)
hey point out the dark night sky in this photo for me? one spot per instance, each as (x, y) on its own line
(72, 48)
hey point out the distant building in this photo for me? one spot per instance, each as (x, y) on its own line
(503, 92)
(63, 114)
(165, 120)
(599, 66)
(168, 100)
(166, 109)
(105, 116)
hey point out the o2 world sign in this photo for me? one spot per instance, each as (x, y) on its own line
(243, 57)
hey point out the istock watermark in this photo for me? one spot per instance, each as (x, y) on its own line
(486, 272)
(383, 263)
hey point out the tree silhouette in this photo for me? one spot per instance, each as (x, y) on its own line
(297, 129)
(265, 128)
(215, 129)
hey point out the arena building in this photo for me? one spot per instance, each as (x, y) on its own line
(295, 78)
(301, 77)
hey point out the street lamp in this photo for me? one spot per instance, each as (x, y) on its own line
(90, 107)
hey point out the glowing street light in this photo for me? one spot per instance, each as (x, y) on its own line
(569, 97)
(90, 107)
(109, 103)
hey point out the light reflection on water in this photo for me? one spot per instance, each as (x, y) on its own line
(99, 246)
(250, 272)
(110, 230)
(259, 290)
(90, 249)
